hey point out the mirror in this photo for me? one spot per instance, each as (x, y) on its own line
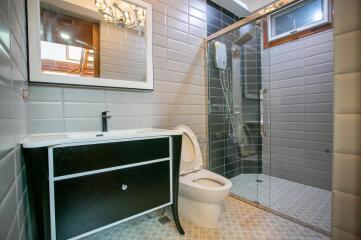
(106, 43)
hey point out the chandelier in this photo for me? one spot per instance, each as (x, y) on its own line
(121, 13)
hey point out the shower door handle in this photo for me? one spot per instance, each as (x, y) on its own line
(262, 92)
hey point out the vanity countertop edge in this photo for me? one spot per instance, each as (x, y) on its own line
(47, 140)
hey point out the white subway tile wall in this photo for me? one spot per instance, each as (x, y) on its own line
(179, 95)
(14, 203)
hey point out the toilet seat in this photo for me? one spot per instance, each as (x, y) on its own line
(191, 180)
(191, 157)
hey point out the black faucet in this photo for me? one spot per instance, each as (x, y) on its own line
(105, 118)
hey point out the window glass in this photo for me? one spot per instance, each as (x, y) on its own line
(301, 15)
(74, 53)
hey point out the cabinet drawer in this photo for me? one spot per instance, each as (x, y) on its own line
(82, 158)
(86, 203)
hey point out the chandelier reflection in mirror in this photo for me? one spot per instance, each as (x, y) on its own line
(121, 13)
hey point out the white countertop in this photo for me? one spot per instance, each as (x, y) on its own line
(46, 140)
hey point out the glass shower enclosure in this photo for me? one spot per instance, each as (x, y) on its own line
(242, 106)
(239, 109)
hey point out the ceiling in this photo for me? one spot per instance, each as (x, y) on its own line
(254, 5)
(242, 8)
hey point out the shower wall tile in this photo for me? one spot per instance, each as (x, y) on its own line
(218, 17)
(318, 49)
(302, 110)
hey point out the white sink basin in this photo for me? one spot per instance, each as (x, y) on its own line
(112, 133)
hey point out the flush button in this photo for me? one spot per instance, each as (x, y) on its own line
(124, 187)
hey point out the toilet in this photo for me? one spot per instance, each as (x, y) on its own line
(201, 192)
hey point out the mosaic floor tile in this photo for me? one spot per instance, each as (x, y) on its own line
(306, 203)
(238, 221)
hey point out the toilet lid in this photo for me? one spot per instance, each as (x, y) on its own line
(191, 157)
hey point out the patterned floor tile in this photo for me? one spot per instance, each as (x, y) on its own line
(306, 203)
(239, 221)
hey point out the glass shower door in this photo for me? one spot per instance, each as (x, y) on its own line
(255, 151)
(239, 111)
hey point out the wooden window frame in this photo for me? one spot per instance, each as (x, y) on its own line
(299, 34)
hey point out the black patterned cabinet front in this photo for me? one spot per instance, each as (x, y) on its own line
(95, 185)
(93, 201)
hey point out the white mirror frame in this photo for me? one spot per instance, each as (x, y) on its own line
(37, 76)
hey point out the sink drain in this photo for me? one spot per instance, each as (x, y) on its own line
(259, 180)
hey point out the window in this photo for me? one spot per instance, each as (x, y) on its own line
(298, 17)
(74, 53)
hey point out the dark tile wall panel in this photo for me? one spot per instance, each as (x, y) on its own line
(218, 18)
(225, 151)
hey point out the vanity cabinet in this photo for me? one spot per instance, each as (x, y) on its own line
(94, 201)
(77, 189)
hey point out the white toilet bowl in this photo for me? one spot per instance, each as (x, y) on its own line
(201, 192)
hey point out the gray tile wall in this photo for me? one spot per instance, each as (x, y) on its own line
(301, 75)
(179, 97)
(130, 45)
(14, 206)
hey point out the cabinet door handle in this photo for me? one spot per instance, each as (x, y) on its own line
(124, 187)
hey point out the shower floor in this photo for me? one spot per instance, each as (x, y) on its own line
(308, 204)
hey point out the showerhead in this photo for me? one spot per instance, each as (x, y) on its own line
(244, 39)
(247, 33)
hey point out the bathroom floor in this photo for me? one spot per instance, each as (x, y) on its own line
(306, 203)
(238, 221)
